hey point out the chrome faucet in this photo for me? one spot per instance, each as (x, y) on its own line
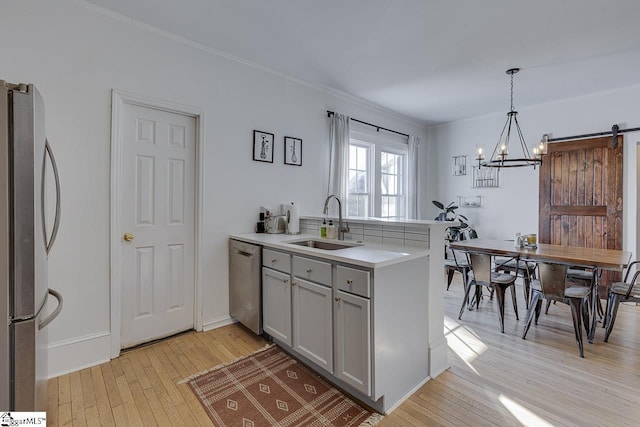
(342, 228)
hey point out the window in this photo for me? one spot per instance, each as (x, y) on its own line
(392, 184)
(359, 180)
(377, 174)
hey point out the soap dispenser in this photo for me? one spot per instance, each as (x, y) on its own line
(323, 229)
(331, 230)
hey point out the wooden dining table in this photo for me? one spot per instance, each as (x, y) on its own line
(600, 259)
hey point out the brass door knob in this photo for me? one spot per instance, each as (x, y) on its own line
(128, 237)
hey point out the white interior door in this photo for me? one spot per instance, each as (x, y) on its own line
(158, 223)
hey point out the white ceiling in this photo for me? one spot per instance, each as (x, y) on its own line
(432, 60)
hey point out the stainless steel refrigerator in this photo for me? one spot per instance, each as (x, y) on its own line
(25, 242)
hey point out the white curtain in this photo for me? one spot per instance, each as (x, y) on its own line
(338, 158)
(413, 181)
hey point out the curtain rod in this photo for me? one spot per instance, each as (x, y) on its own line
(330, 113)
(615, 130)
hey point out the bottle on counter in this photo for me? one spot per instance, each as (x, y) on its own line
(331, 230)
(323, 229)
(517, 241)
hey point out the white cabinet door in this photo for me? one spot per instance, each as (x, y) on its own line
(276, 305)
(353, 341)
(312, 320)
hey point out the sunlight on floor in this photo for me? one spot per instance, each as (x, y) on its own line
(463, 342)
(522, 414)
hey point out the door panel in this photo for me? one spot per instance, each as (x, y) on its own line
(276, 305)
(313, 322)
(158, 207)
(353, 342)
(581, 196)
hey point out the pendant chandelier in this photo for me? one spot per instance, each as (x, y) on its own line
(506, 155)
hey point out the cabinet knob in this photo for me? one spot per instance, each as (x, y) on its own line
(349, 281)
(286, 280)
(274, 260)
(338, 298)
(309, 270)
(293, 283)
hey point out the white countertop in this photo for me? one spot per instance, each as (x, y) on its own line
(370, 255)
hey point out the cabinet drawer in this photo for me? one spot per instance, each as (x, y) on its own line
(277, 260)
(313, 270)
(353, 281)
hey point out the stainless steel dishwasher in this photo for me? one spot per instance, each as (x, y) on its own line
(245, 292)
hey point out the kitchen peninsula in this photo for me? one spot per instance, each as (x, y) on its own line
(368, 316)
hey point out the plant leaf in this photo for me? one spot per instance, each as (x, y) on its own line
(437, 204)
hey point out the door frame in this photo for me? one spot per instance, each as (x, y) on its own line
(118, 100)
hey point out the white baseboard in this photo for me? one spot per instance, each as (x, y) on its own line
(406, 396)
(438, 357)
(84, 352)
(218, 323)
(78, 353)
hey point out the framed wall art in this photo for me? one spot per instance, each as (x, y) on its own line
(292, 151)
(262, 146)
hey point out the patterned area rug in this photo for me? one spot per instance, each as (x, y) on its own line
(269, 388)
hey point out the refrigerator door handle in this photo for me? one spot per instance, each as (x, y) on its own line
(56, 222)
(44, 322)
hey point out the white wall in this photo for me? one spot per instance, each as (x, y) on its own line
(513, 207)
(76, 54)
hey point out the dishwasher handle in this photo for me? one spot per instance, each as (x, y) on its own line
(243, 253)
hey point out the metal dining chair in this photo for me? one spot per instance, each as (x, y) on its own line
(521, 268)
(457, 261)
(621, 292)
(483, 276)
(552, 285)
(585, 276)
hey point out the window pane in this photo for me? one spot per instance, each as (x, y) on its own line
(353, 150)
(361, 183)
(363, 160)
(358, 205)
(352, 181)
(358, 199)
(392, 179)
(392, 209)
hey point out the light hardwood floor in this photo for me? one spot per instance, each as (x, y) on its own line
(494, 379)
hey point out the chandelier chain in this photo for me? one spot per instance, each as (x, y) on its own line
(512, 91)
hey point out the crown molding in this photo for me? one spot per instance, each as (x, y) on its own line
(319, 87)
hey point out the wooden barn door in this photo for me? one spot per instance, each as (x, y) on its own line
(581, 196)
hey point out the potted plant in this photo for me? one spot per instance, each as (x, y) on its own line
(457, 232)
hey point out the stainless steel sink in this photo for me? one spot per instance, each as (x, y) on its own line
(323, 244)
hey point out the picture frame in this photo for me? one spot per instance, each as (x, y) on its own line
(263, 146)
(292, 151)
